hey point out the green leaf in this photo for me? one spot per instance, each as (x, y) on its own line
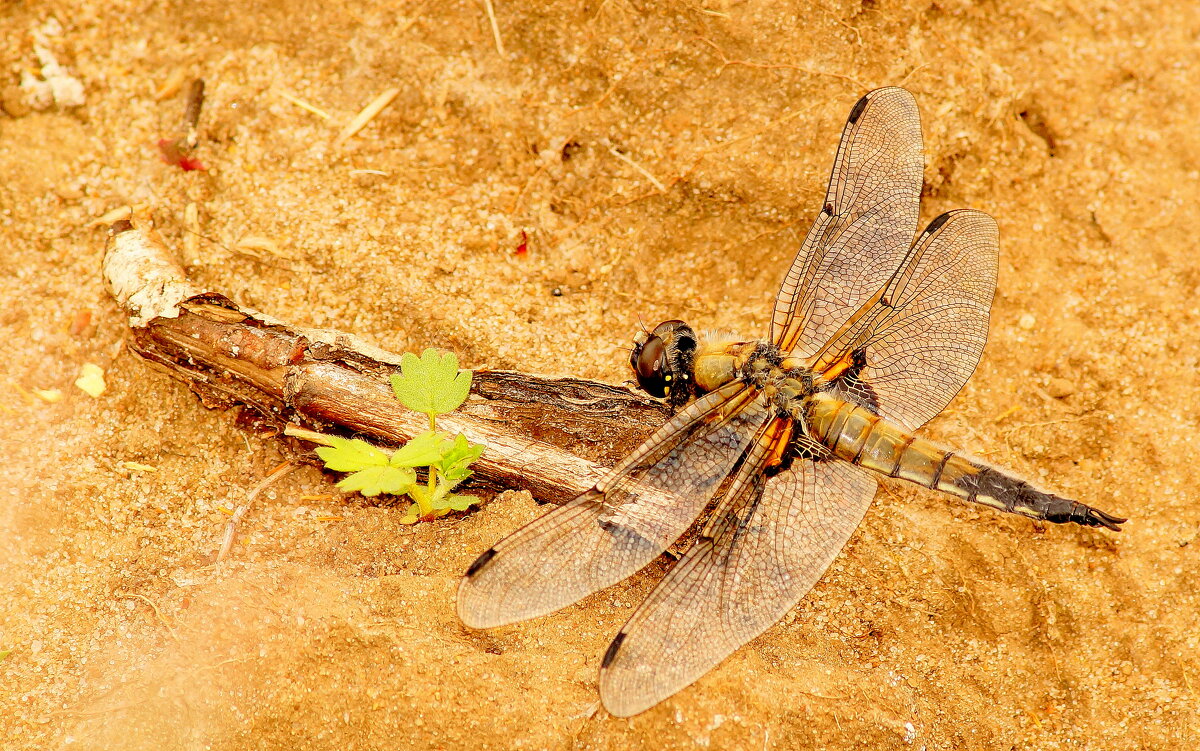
(375, 480)
(350, 455)
(4, 653)
(460, 455)
(456, 476)
(456, 502)
(423, 450)
(431, 383)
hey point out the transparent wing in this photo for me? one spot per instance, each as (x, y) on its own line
(866, 226)
(917, 341)
(626, 521)
(765, 548)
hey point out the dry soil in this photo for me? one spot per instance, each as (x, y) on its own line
(655, 160)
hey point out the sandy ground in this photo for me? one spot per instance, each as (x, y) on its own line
(940, 626)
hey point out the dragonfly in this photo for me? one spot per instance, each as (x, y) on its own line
(780, 440)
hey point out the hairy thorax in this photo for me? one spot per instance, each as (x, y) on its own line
(756, 362)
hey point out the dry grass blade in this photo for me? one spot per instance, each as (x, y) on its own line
(491, 11)
(367, 114)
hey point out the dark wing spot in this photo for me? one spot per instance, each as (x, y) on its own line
(481, 561)
(611, 653)
(936, 224)
(828, 209)
(800, 450)
(859, 106)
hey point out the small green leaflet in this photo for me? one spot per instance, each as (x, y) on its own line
(456, 502)
(453, 463)
(422, 495)
(375, 480)
(350, 454)
(423, 450)
(431, 383)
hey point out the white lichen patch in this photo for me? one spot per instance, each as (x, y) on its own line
(56, 86)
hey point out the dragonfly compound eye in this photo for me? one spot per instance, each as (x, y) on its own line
(665, 359)
(648, 361)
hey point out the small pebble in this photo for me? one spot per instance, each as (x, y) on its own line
(68, 192)
(12, 101)
(81, 323)
(1027, 321)
(1060, 387)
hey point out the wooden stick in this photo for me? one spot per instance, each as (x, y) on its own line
(535, 428)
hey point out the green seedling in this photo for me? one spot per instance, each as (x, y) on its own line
(431, 384)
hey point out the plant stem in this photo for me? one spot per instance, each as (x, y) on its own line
(432, 472)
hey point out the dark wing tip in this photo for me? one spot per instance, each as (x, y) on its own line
(610, 654)
(859, 106)
(937, 223)
(480, 562)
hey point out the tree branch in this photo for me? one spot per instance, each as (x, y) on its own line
(230, 355)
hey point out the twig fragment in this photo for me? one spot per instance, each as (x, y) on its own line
(640, 169)
(240, 511)
(157, 613)
(118, 214)
(191, 113)
(534, 428)
(367, 114)
(727, 62)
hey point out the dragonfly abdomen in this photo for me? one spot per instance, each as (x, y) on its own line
(858, 436)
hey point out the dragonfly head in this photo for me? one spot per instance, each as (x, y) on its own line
(663, 359)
